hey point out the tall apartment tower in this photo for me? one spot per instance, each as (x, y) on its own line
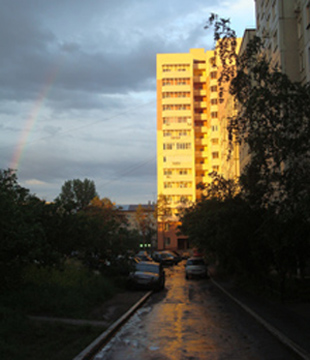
(188, 133)
(284, 25)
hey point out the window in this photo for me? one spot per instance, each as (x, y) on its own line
(308, 16)
(213, 101)
(214, 114)
(183, 146)
(214, 128)
(215, 155)
(213, 88)
(273, 10)
(212, 61)
(299, 31)
(213, 74)
(215, 168)
(301, 61)
(167, 240)
(167, 146)
(275, 41)
(215, 141)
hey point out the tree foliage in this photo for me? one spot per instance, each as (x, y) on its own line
(24, 238)
(145, 221)
(266, 226)
(77, 194)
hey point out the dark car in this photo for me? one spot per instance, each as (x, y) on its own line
(177, 256)
(164, 258)
(143, 256)
(148, 275)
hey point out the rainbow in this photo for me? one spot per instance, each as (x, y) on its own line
(32, 119)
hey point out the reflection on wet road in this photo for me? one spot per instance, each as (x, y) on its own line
(191, 320)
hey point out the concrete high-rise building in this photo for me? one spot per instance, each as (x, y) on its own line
(284, 25)
(190, 140)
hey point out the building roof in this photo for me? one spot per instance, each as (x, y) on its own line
(134, 207)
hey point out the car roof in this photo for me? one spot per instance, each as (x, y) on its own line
(148, 263)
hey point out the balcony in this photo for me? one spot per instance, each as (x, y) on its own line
(179, 191)
(199, 66)
(200, 116)
(200, 105)
(201, 92)
(202, 167)
(200, 79)
(176, 101)
(204, 142)
(176, 113)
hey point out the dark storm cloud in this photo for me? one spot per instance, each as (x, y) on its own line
(78, 88)
(95, 47)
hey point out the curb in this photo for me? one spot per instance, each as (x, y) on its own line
(101, 340)
(278, 334)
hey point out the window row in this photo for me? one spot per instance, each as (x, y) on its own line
(179, 81)
(177, 107)
(178, 199)
(177, 146)
(177, 171)
(181, 94)
(176, 133)
(178, 185)
(176, 67)
(177, 120)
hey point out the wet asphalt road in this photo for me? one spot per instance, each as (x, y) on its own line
(192, 320)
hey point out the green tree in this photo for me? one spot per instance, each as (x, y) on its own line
(103, 234)
(145, 221)
(22, 231)
(163, 213)
(77, 194)
(274, 122)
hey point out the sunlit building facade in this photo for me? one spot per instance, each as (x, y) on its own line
(190, 138)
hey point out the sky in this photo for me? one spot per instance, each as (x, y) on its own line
(78, 87)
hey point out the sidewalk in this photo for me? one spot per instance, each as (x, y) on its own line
(289, 322)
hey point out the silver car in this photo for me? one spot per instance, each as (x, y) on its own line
(196, 267)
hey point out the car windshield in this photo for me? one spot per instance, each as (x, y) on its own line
(153, 268)
(195, 262)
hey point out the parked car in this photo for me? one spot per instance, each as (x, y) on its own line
(143, 256)
(148, 275)
(186, 255)
(177, 256)
(196, 267)
(164, 257)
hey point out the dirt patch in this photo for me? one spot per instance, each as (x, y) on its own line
(112, 309)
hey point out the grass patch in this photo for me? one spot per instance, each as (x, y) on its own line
(73, 292)
(24, 339)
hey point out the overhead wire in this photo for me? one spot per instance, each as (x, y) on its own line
(84, 125)
(129, 171)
